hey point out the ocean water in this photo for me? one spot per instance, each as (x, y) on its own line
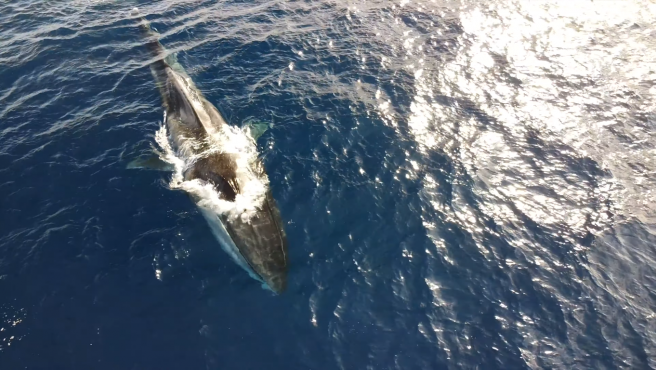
(464, 185)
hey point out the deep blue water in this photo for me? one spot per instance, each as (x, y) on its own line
(464, 185)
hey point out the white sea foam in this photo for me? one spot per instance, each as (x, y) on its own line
(235, 141)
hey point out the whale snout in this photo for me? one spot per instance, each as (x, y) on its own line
(262, 242)
(278, 283)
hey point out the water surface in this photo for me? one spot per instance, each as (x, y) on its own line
(464, 185)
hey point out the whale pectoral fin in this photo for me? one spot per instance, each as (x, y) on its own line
(150, 162)
(256, 129)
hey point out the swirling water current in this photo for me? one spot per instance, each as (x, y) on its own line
(465, 185)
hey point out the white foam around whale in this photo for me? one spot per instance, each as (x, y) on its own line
(252, 182)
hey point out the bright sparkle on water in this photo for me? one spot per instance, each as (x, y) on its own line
(465, 184)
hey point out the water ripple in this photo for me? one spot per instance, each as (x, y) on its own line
(464, 185)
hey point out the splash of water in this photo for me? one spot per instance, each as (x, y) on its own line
(252, 181)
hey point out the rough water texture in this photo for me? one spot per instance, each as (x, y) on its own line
(465, 185)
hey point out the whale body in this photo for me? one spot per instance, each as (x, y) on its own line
(218, 166)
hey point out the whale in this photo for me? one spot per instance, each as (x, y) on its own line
(218, 165)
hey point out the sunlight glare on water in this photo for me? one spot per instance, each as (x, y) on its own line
(463, 184)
